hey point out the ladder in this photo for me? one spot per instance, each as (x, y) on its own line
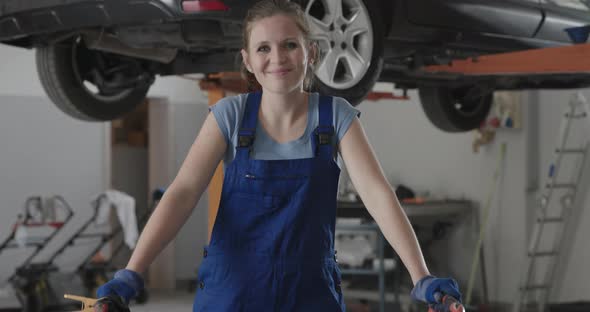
(552, 218)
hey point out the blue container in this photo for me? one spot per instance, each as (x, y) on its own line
(578, 34)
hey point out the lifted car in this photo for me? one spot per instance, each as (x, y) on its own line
(97, 59)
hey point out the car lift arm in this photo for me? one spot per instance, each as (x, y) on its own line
(555, 60)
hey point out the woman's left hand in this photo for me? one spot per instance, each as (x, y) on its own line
(427, 287)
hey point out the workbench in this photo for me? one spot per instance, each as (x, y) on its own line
(437, 215)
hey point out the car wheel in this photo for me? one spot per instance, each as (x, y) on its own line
(455, 110)
(91, 85)
(349, 35)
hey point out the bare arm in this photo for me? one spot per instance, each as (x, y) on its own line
(181, 196)
(379, 198)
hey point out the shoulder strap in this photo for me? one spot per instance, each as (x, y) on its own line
(247, 131)
(324, 133)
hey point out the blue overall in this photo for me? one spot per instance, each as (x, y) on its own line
(272, 246)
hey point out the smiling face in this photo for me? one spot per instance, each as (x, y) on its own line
(277, 54)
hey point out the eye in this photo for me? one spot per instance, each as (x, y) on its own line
(263, 48)
(291, 45)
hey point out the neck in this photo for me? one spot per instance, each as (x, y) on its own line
(284, 108)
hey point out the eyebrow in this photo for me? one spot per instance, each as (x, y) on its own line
(266, 42)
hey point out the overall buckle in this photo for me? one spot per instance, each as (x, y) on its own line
(324, 134)
(245, 140)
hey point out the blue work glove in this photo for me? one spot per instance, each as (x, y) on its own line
(429, 285)
(126, 284)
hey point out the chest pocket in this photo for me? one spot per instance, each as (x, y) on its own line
(253, 203)
(253, 219)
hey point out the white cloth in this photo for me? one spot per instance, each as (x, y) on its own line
(125, 207)
(21, 236)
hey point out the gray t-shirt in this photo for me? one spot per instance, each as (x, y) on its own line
(229, 111)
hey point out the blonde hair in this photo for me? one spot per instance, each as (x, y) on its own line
(268, 8)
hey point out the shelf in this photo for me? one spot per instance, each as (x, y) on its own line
(358, 227)
(360, 271)
(435, 210)
(375, 296)
(380, 273)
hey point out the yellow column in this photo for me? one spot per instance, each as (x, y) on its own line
(215, 93)
(216, 86)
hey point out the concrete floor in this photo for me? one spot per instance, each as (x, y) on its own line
(182, 301)
(160, 301)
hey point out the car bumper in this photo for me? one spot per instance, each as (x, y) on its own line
(22, 18)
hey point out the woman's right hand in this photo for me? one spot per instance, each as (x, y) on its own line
(126, 285)
(110, 304)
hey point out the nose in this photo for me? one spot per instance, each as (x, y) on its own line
(279, 55)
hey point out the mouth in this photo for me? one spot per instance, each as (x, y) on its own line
(280, 71)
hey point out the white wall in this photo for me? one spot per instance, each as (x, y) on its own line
(18, 78)
(416, 154)
(43, 152)
(18, 72)
(413, 152)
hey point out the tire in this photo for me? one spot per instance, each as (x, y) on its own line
(92, 279)
(142, 297)
(32, 303)
(65, 70)
(451, 111)
(362, 38)
(29, 300)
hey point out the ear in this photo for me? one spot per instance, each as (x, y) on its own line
(245, 60)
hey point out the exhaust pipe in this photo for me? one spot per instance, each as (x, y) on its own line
(108, 43)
